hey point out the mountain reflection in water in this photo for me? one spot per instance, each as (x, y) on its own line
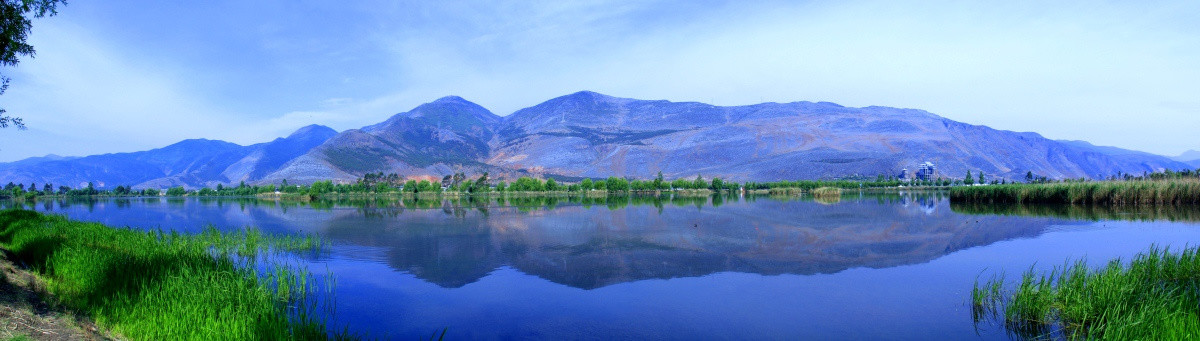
(594, 242)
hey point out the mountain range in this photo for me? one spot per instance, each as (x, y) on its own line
(587, 134)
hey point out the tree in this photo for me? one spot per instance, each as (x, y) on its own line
(15, 24)
(679, 184)
(981, 179)
(321, 187)
(615, 184)
(969, 179)
(481, 184)
(176, 191)
(717, 184)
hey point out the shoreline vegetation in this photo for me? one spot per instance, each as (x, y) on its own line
(153, 285)
(378, 184)
(1153, 188)
(827, 195)
(1162, 189)
(1153, 297)
(1112, 193)
(393, 204)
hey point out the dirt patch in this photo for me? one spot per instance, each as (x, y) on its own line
(26, 311)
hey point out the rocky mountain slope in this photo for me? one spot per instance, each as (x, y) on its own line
(593, 135)
(436, 138)
(587, 134)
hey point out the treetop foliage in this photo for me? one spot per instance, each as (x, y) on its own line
(15, 24)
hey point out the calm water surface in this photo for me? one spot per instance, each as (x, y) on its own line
(868, 267)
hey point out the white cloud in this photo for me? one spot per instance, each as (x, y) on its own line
(101, 100)
(1117, 74)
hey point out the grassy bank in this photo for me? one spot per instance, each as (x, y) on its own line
(1154, 297)
(154, 285)
(1148, 192)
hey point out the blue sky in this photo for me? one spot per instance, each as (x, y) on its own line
(115, 76)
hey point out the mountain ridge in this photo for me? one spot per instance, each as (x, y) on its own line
(589, 134)
(190, 163)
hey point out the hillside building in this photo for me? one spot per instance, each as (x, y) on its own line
(926, 171)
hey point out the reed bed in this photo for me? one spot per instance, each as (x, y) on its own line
(1147, 192)
(781, 191)
(827, 195)
(827, 192)
(166, 286)
(1154, 297)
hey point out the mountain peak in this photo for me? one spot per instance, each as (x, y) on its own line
(588, 95)
(1189, 155)
(451, 99)
(200, 142)
(313, 129)
(452, 106)
(449, 111)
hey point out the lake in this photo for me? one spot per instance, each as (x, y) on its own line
(888, 266)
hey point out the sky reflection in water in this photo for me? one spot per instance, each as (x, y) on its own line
(892, 266)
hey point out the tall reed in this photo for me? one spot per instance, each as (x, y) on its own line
(1154, 297)
(1156, 192)
(166, 286)
(827, 195)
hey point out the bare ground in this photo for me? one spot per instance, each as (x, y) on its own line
(27, 311)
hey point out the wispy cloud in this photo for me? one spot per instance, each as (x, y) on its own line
(120, 77)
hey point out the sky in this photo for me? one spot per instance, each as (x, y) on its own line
(119, 76)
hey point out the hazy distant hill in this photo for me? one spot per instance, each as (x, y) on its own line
(1191, 157)
(587, 134)
(190, 163)
(1128, 156)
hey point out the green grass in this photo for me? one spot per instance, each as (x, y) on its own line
(1156, 192)
(155, 285)
(1154, 297)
